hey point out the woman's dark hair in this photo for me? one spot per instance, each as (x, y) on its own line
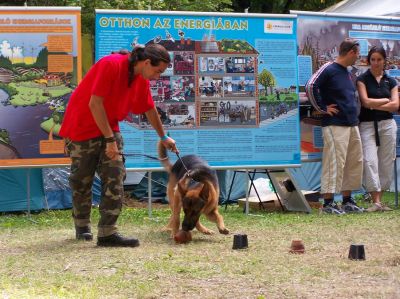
(376, 49)
(155, 52)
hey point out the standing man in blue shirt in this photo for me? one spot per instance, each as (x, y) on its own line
(331, 91)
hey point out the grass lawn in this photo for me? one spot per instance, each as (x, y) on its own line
(40, 258)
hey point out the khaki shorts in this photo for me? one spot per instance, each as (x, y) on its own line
(342, 159)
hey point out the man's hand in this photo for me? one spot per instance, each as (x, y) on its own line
(112, 151)
(170, 144)
(332, 110)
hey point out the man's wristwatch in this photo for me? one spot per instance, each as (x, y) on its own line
(110, 139)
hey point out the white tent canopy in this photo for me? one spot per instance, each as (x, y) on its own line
(367, 7)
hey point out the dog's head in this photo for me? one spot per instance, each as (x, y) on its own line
(194, 198)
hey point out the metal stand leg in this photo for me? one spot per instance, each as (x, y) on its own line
(28, 191)
(396, 192)
(247, 193)
(255, 189)
(230, 190)
(149, 194)
(273, 187)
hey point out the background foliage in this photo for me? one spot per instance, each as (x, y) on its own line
(253, 6)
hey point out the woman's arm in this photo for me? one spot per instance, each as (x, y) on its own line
(155, 121)
(393, 105)
(367, 102)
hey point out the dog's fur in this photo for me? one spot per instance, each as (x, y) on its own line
(196, 191)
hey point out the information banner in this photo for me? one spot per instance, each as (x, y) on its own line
(230, 92)
(319, 37)
(40, 64)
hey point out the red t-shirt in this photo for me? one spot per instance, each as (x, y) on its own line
(108, 79)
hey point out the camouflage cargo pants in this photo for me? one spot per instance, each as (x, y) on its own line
(87, 158)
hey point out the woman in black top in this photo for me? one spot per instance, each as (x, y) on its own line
(379, 99)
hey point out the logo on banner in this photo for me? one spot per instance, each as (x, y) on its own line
(281, 27)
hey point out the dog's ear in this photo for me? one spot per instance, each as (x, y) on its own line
(208, 191)
(182, 186)
(200, 186)
(195, 192)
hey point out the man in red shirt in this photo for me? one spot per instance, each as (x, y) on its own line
(116, 85)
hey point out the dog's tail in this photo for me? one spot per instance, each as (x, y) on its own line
(163, 157)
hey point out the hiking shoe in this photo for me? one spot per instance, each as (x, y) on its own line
(116, 240)
(351, 207)
(83, 233)
(333, 209)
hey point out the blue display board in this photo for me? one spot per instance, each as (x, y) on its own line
(319, 36)
(230, 93)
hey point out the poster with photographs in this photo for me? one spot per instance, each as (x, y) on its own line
(161, 89)
(319, 37)
(170, 69)
(243, 86)
(212, 65)
(240, 64)
(172, 115)
(230, 112)
(210, 87)
(183, 89)
(183, 63)
(223, 67)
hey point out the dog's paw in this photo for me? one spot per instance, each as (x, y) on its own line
(224, 231)
(166, 229)
(208, 232)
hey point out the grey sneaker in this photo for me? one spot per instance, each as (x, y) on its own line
(385, 208)
(374, 208)
(378, 207)
(333, 209)
(351, 207)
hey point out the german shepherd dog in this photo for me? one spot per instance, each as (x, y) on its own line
(193, 186)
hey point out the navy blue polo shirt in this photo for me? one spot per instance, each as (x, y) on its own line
(376, 90)
(332, 84)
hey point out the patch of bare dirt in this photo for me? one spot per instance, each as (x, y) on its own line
(131, 202)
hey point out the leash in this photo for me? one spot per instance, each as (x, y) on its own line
(184, 166)
(143, 155)
(158, 159)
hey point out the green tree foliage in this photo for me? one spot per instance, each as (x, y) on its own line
(5, 62)
(281, 6)
(57, 117)
(88, 6)
(255, 6)
(41, 61)
(266, 79)
(4, 135)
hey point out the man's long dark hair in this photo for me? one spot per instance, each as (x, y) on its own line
(155, 52)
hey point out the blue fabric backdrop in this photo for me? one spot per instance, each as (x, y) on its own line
(52, 184)
(14, 189)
